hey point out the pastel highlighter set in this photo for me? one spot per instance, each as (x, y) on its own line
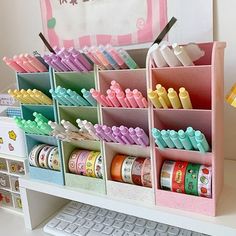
(68, 97)
(87, 163)
(188, 140)
(161, 99)
(25, 63)
(116, 97)
(185, 177)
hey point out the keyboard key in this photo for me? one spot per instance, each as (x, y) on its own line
(108, 221)
(129, 234)
(118, 232)
(197, 234)
(85, 207)
(89, 224)
(130, 219)
(162, 234)
(149, 232)
(80, 221)
(138, 230)
(162, 227)
(75, 205)
(62, 225)
(70, 228)
(185, 232)
(53, 223)
(111, 214)
(81, 232)
(120, 217)
(173, 230)
(66, 217)
(108, 230)
(90, 216)
(151, 224)
(140, 222)
(93, 210)
(98, 227)
(70, 211)
(128, 227)
(82, 214)
(118, 224)
(99, 219)
(102, 212)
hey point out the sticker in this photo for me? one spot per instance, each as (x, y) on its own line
(10, 147)
(1, 140)
(12, 135)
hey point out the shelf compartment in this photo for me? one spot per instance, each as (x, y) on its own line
(195, 79)
(132, 79)
(78, 181)
(40, 81)
(181, 119)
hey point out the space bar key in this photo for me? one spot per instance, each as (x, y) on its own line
(94, 233)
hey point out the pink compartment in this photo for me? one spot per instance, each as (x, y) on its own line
(133, 79)
(181, 119)
(195, 79)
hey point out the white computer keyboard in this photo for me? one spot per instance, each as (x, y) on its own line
(80, 219)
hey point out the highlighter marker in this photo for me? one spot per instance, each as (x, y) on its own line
(157, 56)
(185, 140)
(121, 98)
(201, 139)
(13, 65)
(133, 135)
(185, 99)
(101, 133)
(161, 91)
(169, 56)
(158, 139)
(88, 96)
(175, 139)
(174, 99)
(36, 63)
(125, 132)
(166, 137)
(97, 96)
(191, 134)
(182, 55)
(130, 97)
(153, 96)
(112, 97)
(127, 59)
(108, 132)
(142, 136)
(138, 98)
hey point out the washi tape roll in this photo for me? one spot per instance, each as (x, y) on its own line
(166, 175)
(116, 167)
(81, 162)
(99, 167)
(204, 181)
(178, 178)
(43, 156)
(53, 159)
(34, 155)
(191, 179)
(137, 170)
(73, 161)
(126, 169)
(146, 173)
(90, 163)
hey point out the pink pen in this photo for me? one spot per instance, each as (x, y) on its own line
(130, 97)
(138, 98)
(36, 63)
(112, 96)
(97, 96)
(81, 57)
(90, 56)
(121, 98)
(115, 85)
(142, 135)
(20, 63)
(115, 55)
(133, 135)
(27, 63)
(144, 101)
(108, 101)
(100, 64)
(13, 65)
(127, 103)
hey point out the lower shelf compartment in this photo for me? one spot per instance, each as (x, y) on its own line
(48, 175)
(131, 192)
(84, 182)
(205, 206)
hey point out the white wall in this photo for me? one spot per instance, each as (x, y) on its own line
(20, 24)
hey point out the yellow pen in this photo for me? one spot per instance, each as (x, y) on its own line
(174, 99)
(163, 102)
(45, 97)
(46, 100)
(184, 98)
(161, 91)
(153, 96)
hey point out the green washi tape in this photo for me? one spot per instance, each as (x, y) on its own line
(191, 179)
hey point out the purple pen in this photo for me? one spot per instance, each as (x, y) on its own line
(125, 132)
(141, 142)
(100, 131)
(57, 61)
(142, 135)
(48, 60)
(117, 134)
(71, 64)
(108, 132)
(133, 135)
(79, 64)
(124, 138)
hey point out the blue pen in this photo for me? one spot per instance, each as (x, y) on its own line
(62, 94)
(166, 137)
(70, 98)
(191, 134)
(66, 102)
(60, 101)
(201, 148)
(200, 138)
(175, 139)
(158, 139)
(75, 100)
(81, 100)
(88, 96)
(185, 140)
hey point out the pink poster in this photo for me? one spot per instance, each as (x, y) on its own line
(80, 23)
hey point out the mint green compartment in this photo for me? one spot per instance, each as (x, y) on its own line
(78, 181)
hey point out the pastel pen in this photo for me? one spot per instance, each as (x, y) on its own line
(33, 126)
(13, 65)
(174, 99)
(108, 132)
(161, 91)
(184, 139)
(55, 96)
(175, 139)
(112, 97)
(201, 139)
(48, 60)
(57, 60)
(115, 85)
(101, 133)
(88, 96)
(91, 56)
(80, 99)
(91, 130)
(191, 134)
(27, 63)
(40, 116)
(98, 61)
(185, 98)
(56, 126)
(78, 63)
(182, 55)
(69, 126)
(36, 63)
(156, 55)
(117, 135)
(97, 96)
(67, 100)
(20, 63)
(166, 137)
(125, 132)
(130, 97)
(169, 56)
(153, 96)
(133, 135)
(142, 136)
(158, 139)
(138, 98)
(44, 96)
(127, 59)
(121, 98)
